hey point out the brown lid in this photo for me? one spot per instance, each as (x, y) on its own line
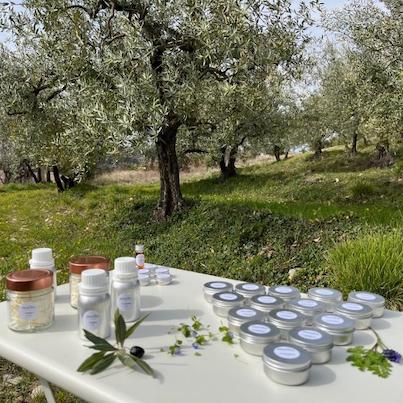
(80, 263)
(29, 280)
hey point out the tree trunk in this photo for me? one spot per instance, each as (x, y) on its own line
(227, 166)
(277, 152)
(58, 181)
(48, 177)
(39, 174)
(354, 143)
(31, 171)
(68, 182)
(286, 154)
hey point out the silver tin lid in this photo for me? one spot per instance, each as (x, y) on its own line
(239, 315)
(325, 294)
(266, 303)
(227, 298)
(334, 323)
(250, 289)
(256, 331)
(286, 356)
(217, 286)
(354, 310)
(307, 306)
(286, 318)
(369, 298)
(311, 339)
(287, 293)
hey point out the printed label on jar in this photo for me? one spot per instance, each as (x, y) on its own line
(283, 289)
(125, 302)
(332, 319)
(266, 299)
(324, 291)
(250, 287)
(91, 320)
(287, 315)
(246, 313)
(140, 259)
(309, 303)
(310, 334)
(288, 353)
(28, 311)
(228, 297)
(352, 306)
(365, 296)
(218, 285)
(259, 329)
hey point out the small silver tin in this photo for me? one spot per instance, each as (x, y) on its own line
(224, 301)
(249, 290)
(255, 335)
(375, 301)
(340, 327)
(266, 303)
(329, 296)
(285, 320)
(239, 315)
(212, 287)
(286, 363)
(308, 307)
(361, 313)
(316, 341)
(285, 292)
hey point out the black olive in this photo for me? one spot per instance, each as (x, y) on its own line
(137, 351)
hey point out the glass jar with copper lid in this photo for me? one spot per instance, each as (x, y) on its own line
(77, 265)
(30, 300)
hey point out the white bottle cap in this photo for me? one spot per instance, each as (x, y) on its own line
(125, 266)
(42, 258)
(93, 281)
(139, 248)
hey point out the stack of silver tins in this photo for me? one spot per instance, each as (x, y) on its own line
(361, 313)
(224, 301)
(316, 341)
(375, 301)
(237, 316)
(286, 320)
(308, 307)
(212, 287)
(285, 292)
(286, 363)
(329, 296)
(266, 303)
(255, 335)
(340, 327)
(249, 290)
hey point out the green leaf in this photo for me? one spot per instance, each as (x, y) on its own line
(185, 330)
(90, 361)
(120, 328)
(96, 340)
(135, 325)
(197, 354)
(201, 340)
(223, 329)
(103, 347)
(369, 360)
(134, 362)
(103, 363)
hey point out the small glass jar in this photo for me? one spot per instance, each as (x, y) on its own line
(144, 280)
(76, 266)
(255, 335)
(213, 287)
(224, 301)
(285, 292)
(361, 313)
(308, 307)
(266, 303)
(30, 298)
(239, 315)
(329, 296)
(163, 278)
(375, 301)
(316, 341)
(285, 320)
(161, 270)
(286, 363)
(140, 259)
(340, 327)
(151, 268)
(249, 290)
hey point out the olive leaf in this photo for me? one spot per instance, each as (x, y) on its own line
(120, 328)
(90, 361)
(103, 363)
(133, 362)
(135, 325)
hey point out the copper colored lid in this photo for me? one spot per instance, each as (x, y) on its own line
(29, 280)
(80, 263)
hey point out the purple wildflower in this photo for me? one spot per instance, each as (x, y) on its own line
(195, 345)
(193, 333)
(392, 355)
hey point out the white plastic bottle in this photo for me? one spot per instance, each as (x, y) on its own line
(42, 258)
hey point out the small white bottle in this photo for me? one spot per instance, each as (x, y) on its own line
(42, 258)
(126, 289)
(94, 303)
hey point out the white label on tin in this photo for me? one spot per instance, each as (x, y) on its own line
(250, 287)
(245, 312)
(125, 302)
(217, 285)
(332, 319)
(310, 334)
(144, 271)
(140, 259)
(283, 289)
(288, 353)
(287, 315)
(308, 303)
(324, 291)
(28, 311)
(352, 306)
(265, 299)
(259, 329)
(91, 320)
(228, 297)
(365, 296)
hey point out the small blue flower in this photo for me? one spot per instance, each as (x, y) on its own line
(193, 333)
(392, 355)
(195, 345)
(178, 351)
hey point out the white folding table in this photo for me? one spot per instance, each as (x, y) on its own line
(222, 373)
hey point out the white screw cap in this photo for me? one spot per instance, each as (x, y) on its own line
(42, 258)
(125, 265)
(93, 281)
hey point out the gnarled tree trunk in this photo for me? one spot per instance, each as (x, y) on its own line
(31, 171)
(227, 162)
(354, 143)
(58, 181)
(277, 152)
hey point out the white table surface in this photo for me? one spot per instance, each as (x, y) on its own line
(216, 376)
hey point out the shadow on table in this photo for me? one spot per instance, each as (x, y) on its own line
(380, 324)
(150, 330)
(64, 323)
(149, 301)
(118, 369)
(172, 314)
(320, 375)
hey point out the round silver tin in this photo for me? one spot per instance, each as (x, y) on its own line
(361, 313)
(224, 301)
(329, 296)
(285, 292)
(340, 327)
(375, 301)
(286, 363)
(249, 290)
(316, 341)
(285, 320)
(255, 335)
(212, 287)
(266, 303)
(239, 315)
(308, 307)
